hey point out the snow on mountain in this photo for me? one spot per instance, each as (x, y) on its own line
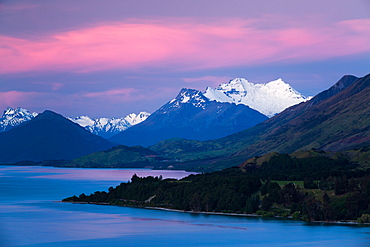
(13, 117)
(268, 98)
(191, 116)
(134, 119)
(186, 96)
(107, 127)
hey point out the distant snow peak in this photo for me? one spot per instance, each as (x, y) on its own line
(134, 119)
(107, 127)
(83, 121)
(268, 98)
(189, 96)
(18, 112)
(13, 117)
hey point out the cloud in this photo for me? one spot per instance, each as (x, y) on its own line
(175, 45)
(109, 93)
(16, 98)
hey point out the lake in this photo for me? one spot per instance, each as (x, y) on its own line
(30, 215)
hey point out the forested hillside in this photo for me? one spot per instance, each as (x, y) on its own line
(310, 186)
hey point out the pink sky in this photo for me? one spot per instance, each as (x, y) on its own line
(182, 46)
(126, 59)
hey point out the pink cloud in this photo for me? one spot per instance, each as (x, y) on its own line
(16, 98)
(124, 92)
(171, 45)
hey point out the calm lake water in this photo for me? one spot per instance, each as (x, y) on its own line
(31, 216)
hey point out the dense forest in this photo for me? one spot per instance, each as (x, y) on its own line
(310, 189)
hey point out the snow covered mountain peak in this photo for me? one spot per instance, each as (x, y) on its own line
(107, 127)
(13, 117)
(20, 112)
(268, 98)
(188, 96)
(134, 119)
(83, 121)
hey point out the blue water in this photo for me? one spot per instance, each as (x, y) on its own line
(31, 216)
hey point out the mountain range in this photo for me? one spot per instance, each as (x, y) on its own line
(192, 116)
(215, 113)
(104, 127)
(336, 119)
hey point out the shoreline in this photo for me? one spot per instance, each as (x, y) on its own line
(224, 214)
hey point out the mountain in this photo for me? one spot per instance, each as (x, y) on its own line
(48, 136)
(108, 127)
(336, 119)
(268, 98)
(192, 116)
(14, 117)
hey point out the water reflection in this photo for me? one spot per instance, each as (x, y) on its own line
(122, 175)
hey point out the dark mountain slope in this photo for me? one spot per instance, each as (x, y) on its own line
(118, 156)
(49, 136)
(338, 87)
(336, 119)
(192, 116)
(323, 125)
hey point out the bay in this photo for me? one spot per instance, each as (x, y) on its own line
(31, 215)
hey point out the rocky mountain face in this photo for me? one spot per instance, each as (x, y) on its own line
(190, 115)
(48, 136)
